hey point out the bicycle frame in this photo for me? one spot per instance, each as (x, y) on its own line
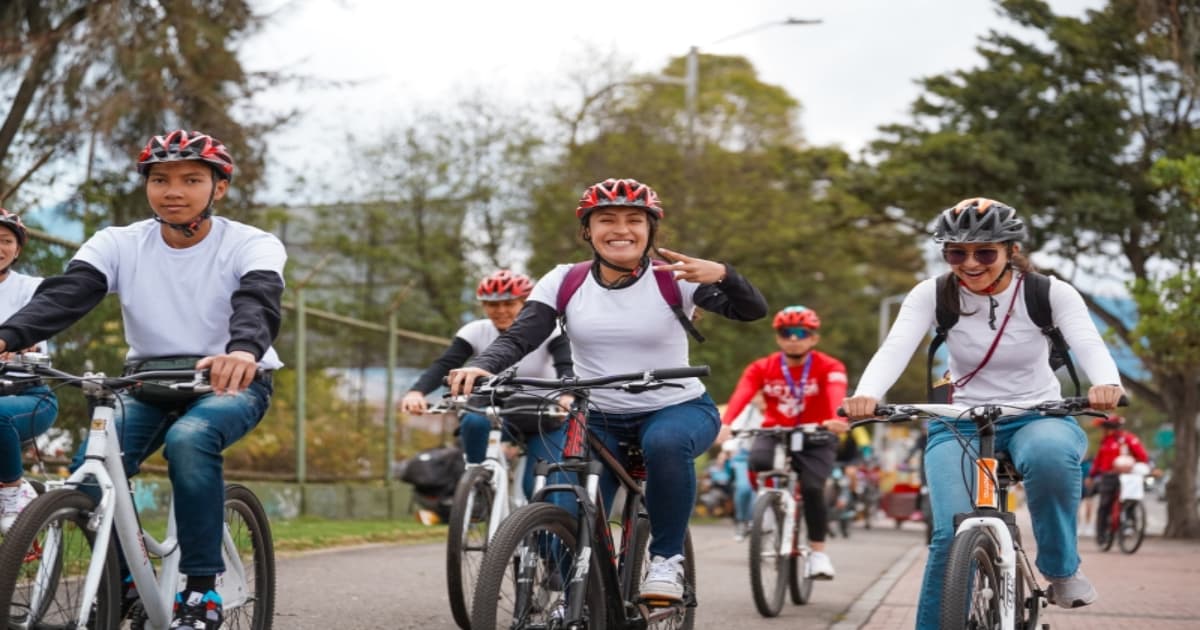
(117, 512)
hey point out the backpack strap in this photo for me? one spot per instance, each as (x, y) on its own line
(1037, 302)
(668, 287)
(946, 319)
(570, 284)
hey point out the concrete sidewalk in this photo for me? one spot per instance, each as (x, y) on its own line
(1155, 588)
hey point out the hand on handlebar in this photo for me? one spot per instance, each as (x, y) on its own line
(1105, 397)
(724, 434)
(229, 373)
(462, 380)
(860, 407)
(414, 403)
(837, 425)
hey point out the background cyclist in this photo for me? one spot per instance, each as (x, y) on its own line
(27, 412)
(502, 294)
(202, 289)
(800, 385)
(1105, 475)
(618, 322)
(981, 242)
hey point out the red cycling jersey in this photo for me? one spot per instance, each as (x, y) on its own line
(823, 390)
(1111, 447)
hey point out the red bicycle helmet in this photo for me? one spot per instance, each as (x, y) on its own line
(13, 222)
(979, 220)
(181, 145)
(623, 193)
(504, 285)
(797, 317)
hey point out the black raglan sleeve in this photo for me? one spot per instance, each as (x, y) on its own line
(257, 312)
(454, 357)
(534, 324)
(58, 302)
(734, 297)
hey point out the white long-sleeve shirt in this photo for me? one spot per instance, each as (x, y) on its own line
(1019, 369)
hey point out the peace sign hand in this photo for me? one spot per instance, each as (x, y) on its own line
(691, 269)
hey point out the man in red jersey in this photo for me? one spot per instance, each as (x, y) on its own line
(799, 386)
(1105, 473)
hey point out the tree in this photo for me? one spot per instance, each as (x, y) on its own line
(1067, 131)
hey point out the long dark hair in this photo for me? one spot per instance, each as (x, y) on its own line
(953, 299)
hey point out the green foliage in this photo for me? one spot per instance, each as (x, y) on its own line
(1169, 323)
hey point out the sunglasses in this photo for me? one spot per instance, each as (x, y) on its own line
(985, 256)
(794, 333)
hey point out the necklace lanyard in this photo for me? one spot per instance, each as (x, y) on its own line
(787, 376)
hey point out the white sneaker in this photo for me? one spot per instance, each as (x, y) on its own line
(820, 567)
(664, 580)
(13, 499)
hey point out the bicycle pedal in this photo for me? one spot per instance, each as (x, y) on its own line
(659, 603)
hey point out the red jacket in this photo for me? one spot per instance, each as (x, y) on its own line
(823, 391)
(1114, 444)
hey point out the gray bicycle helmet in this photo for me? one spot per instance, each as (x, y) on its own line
(979, 220)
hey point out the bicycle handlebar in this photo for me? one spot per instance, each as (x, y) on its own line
(633, 381)
(912, 411)
(803, 428)
(188, 380)
(536, 406)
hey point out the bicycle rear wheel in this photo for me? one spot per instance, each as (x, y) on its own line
(467, 541)
(971, 588)
(769, 562)
(1133, 526)
(800, 585)
(681, 619)
(250, 533)
(525, 573)
(43, 561)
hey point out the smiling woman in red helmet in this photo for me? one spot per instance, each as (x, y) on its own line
(29, 410)
(998, 354)
(619, 319)
(196, 290)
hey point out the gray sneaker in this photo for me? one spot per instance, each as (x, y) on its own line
(1071, 592)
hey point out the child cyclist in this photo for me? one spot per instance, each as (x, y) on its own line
(618, 322)
(998, 354)
(502, 294)
(195, 290)
(25, 411)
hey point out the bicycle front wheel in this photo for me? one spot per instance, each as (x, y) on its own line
(769, 562)
(525, 576)
(43, 561)
(800, 585)
(250, 539)
(466, 544)
(1133, 526)
(971, 589)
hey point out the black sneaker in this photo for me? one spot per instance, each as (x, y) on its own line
(197, 611)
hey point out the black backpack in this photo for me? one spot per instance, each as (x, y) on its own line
(1037, 302)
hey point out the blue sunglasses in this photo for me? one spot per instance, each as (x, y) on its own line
(794, 333)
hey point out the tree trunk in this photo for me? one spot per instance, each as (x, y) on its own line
(1183, 405)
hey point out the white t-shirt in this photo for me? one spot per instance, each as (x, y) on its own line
(1019, 370)
(15, 292)
(617, 331)
(537, 364)
(177, 301)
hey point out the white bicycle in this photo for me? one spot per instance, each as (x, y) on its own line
(58, 563)
(487, 493)
(989, 581)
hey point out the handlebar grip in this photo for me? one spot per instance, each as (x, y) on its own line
(683, 372)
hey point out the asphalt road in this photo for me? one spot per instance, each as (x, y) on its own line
(403, 586)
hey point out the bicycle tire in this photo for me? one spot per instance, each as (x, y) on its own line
(251, 529)
(766, 539)
(800, 586)
(1027, 603)
(498, 568)
(1105, 541)
(1133, 526)
(641, 549)
(971, 586)
(64, 514)
(470, 516)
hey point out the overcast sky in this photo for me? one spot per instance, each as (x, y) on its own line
(852, 73)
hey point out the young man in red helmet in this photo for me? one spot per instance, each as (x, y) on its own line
(800, 385)
(204, 292)
(1105, 472)
(502, 294)
(619, 320)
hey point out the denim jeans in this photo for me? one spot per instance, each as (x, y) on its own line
(670, 440)
(193, 443)
(1047, 452)
(23, 417)
(743, 490)
(544, 446)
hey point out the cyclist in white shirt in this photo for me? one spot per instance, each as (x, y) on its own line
(619, 321)
(196, 290)
(998, 354)
(26, 410)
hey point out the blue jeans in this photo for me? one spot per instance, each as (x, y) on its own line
(1047, 452)
(544, 446)
(670, 440)
(23, 417)
(743, 492)
(193, 444)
